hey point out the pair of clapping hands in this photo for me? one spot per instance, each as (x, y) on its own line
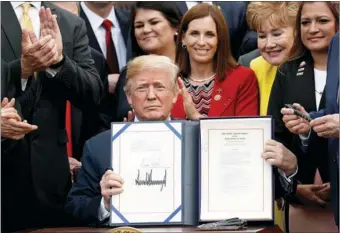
(12, 126)
(40, 54)
(326, 126)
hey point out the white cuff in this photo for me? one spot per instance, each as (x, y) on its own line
(288, 179)
(53, 72)
(304, 138)
(102, 211)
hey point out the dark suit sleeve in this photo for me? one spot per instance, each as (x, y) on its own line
(85, 196)
(78, 78)
(248, 97)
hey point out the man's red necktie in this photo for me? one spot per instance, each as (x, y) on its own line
(111, 55)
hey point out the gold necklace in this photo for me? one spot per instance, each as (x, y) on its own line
(203, 80)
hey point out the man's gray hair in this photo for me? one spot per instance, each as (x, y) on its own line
(149, 62)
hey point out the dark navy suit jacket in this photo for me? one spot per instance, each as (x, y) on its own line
(110, 103)
(85, 196)
(332, 107)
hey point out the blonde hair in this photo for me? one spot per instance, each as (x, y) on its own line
(281, 14)
(150, 62)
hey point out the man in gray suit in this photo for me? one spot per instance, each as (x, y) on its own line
(245, 59)
(55, 58)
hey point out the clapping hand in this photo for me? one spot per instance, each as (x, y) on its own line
(189, 106)
(11, 125)
(49, 26)
(130, 117)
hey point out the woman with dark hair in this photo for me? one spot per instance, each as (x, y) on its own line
(154, 31)
(212, 83)
(302, 80)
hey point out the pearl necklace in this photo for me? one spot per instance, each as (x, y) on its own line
(203, 80)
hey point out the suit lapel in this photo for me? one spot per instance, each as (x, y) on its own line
(123, 22)
(220, 100)
(93, 42)
(11, 29)
(305, 84)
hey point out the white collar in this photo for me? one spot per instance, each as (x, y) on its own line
(36, 5)
(96, 21)
(137, 120)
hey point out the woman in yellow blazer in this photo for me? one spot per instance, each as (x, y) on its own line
(274, 23)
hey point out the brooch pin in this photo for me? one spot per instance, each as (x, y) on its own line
(217, 97)
(301, 68)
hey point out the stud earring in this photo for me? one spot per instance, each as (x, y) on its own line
(184, 46)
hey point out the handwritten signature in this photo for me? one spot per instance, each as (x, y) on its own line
(148, 181)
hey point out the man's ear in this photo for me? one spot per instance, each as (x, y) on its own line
(128, 97)
(176, 93)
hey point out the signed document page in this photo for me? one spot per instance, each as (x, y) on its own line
(148, 158)
(235, 180)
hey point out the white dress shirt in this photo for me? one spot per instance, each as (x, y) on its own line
(320, 77)
(33, 13)
(100, 32)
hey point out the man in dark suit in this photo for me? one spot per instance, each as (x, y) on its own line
(95, 14)
(325, 123)
(242, 39)
(87, 123)
(68, 75)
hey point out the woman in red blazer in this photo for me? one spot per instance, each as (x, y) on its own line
(212, 83)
